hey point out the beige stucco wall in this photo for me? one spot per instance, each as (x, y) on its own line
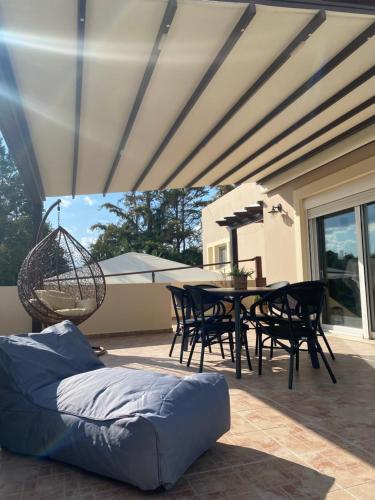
(127, 308)
(281, 240)
(14, 318)
(272, 238)
(132, 308)
(250, 238)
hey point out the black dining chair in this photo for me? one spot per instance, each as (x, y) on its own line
(272, 286)
(215, 324)
(290, 317)
(320, 331)
(185, 324)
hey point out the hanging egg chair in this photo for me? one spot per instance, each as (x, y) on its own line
(59, 279)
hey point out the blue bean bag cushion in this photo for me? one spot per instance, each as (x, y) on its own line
(58, 400)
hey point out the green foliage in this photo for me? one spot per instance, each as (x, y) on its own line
(163, 223)
(222, 190)
(241, 271)
(15, 220)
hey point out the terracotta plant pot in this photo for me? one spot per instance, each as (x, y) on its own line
(240, 282)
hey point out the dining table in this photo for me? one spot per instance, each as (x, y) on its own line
(237, 296)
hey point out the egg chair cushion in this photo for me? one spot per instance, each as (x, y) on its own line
(55, 299)
(136, 426)
(73, 312)
(87, 304)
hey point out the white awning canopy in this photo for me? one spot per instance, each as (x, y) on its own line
(107, 96)
(140, 266)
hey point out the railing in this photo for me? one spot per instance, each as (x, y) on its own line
(259, 278)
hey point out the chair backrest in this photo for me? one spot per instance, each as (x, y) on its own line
(302, 301)
(180, 301)
(277, 285)
(277, 305)
(203, 301)
(305, 300)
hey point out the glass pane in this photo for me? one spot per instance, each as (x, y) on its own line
(339, 267)
(369, 221)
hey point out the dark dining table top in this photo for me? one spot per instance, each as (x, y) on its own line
(233, 292)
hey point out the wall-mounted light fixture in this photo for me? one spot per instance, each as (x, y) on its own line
(276, 209)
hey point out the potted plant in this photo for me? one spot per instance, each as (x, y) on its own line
(240, 276)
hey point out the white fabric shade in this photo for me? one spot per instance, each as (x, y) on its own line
(132, 262)
(66, 114)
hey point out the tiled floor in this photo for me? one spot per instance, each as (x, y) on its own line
(317, 441)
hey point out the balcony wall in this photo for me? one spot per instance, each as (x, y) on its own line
(127, 308)
(13, 317)
(136, 307)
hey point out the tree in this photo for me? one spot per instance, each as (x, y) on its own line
(162, 223)
(15, 219)
(222, 190)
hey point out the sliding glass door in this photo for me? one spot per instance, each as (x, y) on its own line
(338, 265)
(368, 212)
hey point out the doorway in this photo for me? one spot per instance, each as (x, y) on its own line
(342, 245)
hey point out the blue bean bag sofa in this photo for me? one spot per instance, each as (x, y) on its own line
(58, 400)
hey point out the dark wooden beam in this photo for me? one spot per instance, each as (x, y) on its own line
(280, 60)
(335, 123)
(37, 214)
(231, 41)
(163, 30)
(81, 23)
(302, 89)
(233, 247)
(231, 219)
(222, 223)
(14, 128)
(364, 77)
(351, 6)
(348, 133)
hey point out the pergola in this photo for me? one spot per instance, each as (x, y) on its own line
(106, 96)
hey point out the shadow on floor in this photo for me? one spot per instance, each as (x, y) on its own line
(225, 471)
(342, 414)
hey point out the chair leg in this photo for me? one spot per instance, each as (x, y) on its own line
(209, 348)
(192, 348)
(184, 344)
(322, 334)
(271, 348)
(247, 351)
(231, 346)
(202, 354)
(173, 343)
(260, 353)
(256, 342)
(297, 358)
(291, 367)
(320, 351)
(221, 347)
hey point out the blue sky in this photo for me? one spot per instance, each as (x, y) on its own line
(80, 213)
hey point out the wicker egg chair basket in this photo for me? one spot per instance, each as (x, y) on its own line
(59, 279)
(59, 263)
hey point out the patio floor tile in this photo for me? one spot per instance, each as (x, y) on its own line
(315, 442)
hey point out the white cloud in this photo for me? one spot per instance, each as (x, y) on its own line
(92, 231)
(86, 241)
(66, 202)
(89, 201)
(72, 229)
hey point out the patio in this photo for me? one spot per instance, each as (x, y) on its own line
(314, 442)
